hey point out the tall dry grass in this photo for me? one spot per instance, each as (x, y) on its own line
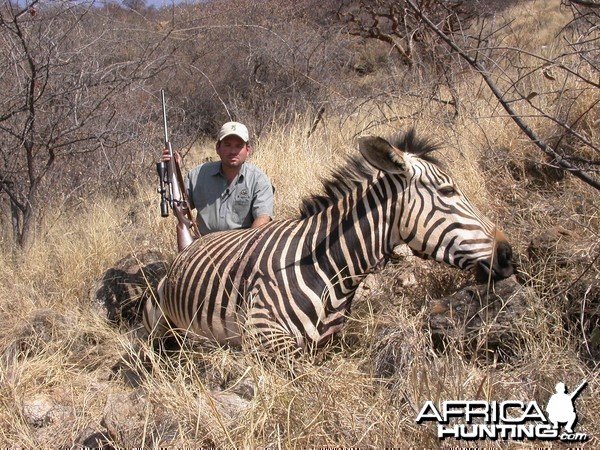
(84, 375)
(56, 345)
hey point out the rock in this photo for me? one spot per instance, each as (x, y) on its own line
(560, 247)
(124, 416)
(247, 388)
(122, 290)
(89, 439)
(229, 404)
(42, 410)
(481, 317)
(127, 416)
(401, 252)
(37, 410)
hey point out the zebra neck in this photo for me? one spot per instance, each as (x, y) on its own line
(355, 235)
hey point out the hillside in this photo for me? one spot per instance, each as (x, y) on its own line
(72, 378)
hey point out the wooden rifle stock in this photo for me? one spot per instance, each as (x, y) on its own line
(172, 191)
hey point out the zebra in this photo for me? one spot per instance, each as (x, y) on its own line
(292, 281)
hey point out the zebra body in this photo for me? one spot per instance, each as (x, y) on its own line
(295, 279)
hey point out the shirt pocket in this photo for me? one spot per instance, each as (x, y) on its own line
(242, 209)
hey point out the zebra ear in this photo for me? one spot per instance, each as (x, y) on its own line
(381, 154)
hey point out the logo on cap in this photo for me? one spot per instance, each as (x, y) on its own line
(234, 129)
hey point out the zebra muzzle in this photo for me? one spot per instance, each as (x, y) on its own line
(501, 267)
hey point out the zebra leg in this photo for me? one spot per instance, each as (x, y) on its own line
(272, 342)
(278, 349)
(276, 342)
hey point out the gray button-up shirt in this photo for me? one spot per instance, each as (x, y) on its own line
(222, 207)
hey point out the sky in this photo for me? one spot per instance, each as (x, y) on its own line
(159, 3)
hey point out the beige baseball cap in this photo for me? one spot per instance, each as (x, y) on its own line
(235, 129)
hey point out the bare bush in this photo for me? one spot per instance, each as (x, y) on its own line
(565, 108)
(62, 120)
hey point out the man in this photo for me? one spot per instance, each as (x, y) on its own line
(230, 193)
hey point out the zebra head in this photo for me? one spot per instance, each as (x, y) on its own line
(432, 215)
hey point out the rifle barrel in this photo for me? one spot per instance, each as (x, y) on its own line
(164, 110)
(578, 389)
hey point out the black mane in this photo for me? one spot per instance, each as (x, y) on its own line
(357, 170)
(421, 147)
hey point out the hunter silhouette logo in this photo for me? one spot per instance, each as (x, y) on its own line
(560, 407)
(511, 419)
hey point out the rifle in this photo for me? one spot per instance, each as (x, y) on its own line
(578, 390)
(172, 192)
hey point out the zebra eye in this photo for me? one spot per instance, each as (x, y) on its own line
(447, 191)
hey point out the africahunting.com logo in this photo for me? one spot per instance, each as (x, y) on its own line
(511, 419)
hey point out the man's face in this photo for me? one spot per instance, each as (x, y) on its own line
(233, 151)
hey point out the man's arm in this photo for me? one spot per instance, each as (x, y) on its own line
(262, 208)
(260, 220)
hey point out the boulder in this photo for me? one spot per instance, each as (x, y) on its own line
(121, 292)
(481, 317)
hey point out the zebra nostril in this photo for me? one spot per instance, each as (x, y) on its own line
(504, 254)
(503, 262)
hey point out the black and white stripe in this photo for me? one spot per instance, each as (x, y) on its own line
(295, 279)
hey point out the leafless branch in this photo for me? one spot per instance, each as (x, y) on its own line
(558, 159)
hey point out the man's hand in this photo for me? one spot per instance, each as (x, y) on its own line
(166, 157)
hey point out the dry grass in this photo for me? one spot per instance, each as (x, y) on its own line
(56, 345)
(365, 389)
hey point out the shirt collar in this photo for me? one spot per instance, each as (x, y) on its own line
(240, 176)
